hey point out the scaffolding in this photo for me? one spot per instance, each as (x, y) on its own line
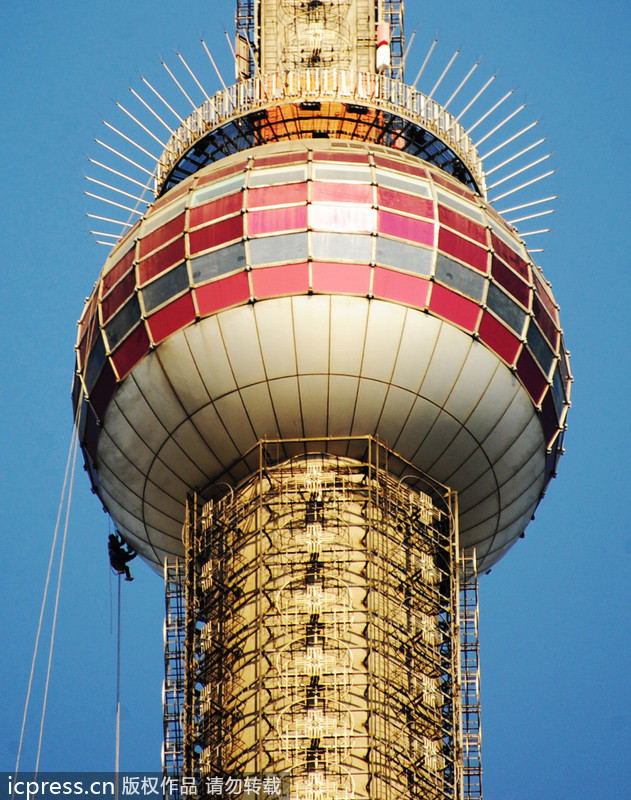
(174, 671)
(322, 629)
(471, 730)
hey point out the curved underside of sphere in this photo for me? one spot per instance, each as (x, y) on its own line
(305, 290)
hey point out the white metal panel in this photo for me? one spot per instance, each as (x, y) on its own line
(396, 408)
(348, 333)
(127, 494)
(208, 421)
(482, 512)
(139, 414)
(477, 372)
(158, 393)
(210, 357)
(314, 394)
(240, 337)
(117, 431)
(474, 478)
(175, 357)
(383, 335)
(286, 400)
(510, 425)
(520, 484)
(370, 399)
(196, 447)
(342, 398)
(121, 465)
(496, 399)
(442, 433)
(455, 455)
(179, 458)
(448, 358)
(311, 332)
(416, 427)
(276, 335)
(419, 337)
(258, 406)
(168, 484)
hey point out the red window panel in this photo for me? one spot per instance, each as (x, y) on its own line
(213, 235)
(547, 326)
(511, 282)
(160, 236)
(272, 161)
(231, 291)
(171, 195)
(88, 328)
(344, 218)
(531, 376)
(510, 257)
(345, 158)
(292, 193)
(414, 230)
(453, 186)
(343, 278)
(273, 220)
(402, 288)
(173, 317)
(131, 351)
(462, 224)
(341, 193)
(117, 271)
(472, 254)
(161, 260)
(549, 418)
(215, 175)
(119, 294)
(208, 212)
(400, 166)
(278, 281)
(103, 390)
(499, 338)
(545, 298)
(454, 307)
(419, 206)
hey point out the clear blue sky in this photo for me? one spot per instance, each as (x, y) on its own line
(555, 637)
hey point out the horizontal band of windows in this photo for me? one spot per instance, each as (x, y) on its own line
(506, 309)
(218, 262)
(404, 256)
(165, 287)
(218, 189)
(457, 276)
(281, 175)
(122, 323)
(290, 247)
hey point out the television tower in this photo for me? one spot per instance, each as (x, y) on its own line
(320, 384)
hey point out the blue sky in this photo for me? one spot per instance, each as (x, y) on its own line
(555, 637)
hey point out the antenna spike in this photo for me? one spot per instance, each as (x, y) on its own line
(131, 141)
(109, 219)
(144, 127)
(479, 94)
(523, 186)
(511, 139)
(444, 72)
(534, 233)
(114, 189)
(125, 158)
(462, 83)
(531, 216)
(116, 172)
(530, 204)
(424, 64)
(212, 61)
(519, 171)
(512, 158)
(192, 74)
(179, 85)
(113, 203)
(152, 111)
(490, 111)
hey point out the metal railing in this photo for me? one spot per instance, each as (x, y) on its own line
(377, 91)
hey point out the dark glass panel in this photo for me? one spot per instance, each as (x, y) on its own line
(165, 287)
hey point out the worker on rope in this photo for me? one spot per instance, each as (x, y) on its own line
(120, 554)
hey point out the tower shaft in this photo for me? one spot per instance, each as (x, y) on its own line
(322, 631)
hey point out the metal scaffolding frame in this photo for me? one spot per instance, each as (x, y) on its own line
(174, 671)
(322, 632)
(470, 678)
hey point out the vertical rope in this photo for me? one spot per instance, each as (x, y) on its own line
(118, 691)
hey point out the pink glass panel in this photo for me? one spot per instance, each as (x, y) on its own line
(160, 236)
(343, 278)
(103, 390)
(414, 230)
(117, 271)
(466, 251)
(341, 193)
(161, 260)
(454, 307)
(510, 257)
(407, 289)
(119, 294)
(223, 293)
(277, 281)
(545, 323)
(419, 206)
(400, 166)
(277, 219)
(345, 218)
(277, 195)
(215, 175)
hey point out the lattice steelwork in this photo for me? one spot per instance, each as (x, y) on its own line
(470, 678)
(323, 637)
(174, 667)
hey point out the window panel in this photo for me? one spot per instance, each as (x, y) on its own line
(453, 307)
(545, 323)
(549, 417)
(277, 219)
(289, 247)
(469, 209)
(558, 390)
(287, 158)
(390, 198)
(95, 362)
(540, 348)
(346, 157)
(510, 257)
(461, 248)
(217, 189)
(214, 235)
(461, 278)
(545, 298)
(103, 390)
(208, 212)
(278, 281)
(163, 259)
(114, 274)
(507, 237)
(222, 172)
(531, 376)
(172, 318)
(218, 262)
(342, 172)
(400, 166)
(119, 294)
(510, 281)
(224, 293)
(165, 287)
(402, 288)
(394, 180)
(406, 227)
(342, 278)
(341, 193)
(499, 338)
(120, 325)
(401, 255)
(270, 177)
(277, 195)
(160, 236)
(341, 246)
(157, 219)
(352, 219)
(131, 351)
(462, 224)
(506, 309)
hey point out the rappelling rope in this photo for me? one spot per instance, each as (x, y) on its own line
(118, 690)
(72, 452)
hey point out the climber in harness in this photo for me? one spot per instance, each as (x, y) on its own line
(120, 554)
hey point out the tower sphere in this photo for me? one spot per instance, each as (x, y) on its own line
(307, 289)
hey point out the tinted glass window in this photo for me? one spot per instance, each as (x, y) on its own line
(505, 308)
(165, 287)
